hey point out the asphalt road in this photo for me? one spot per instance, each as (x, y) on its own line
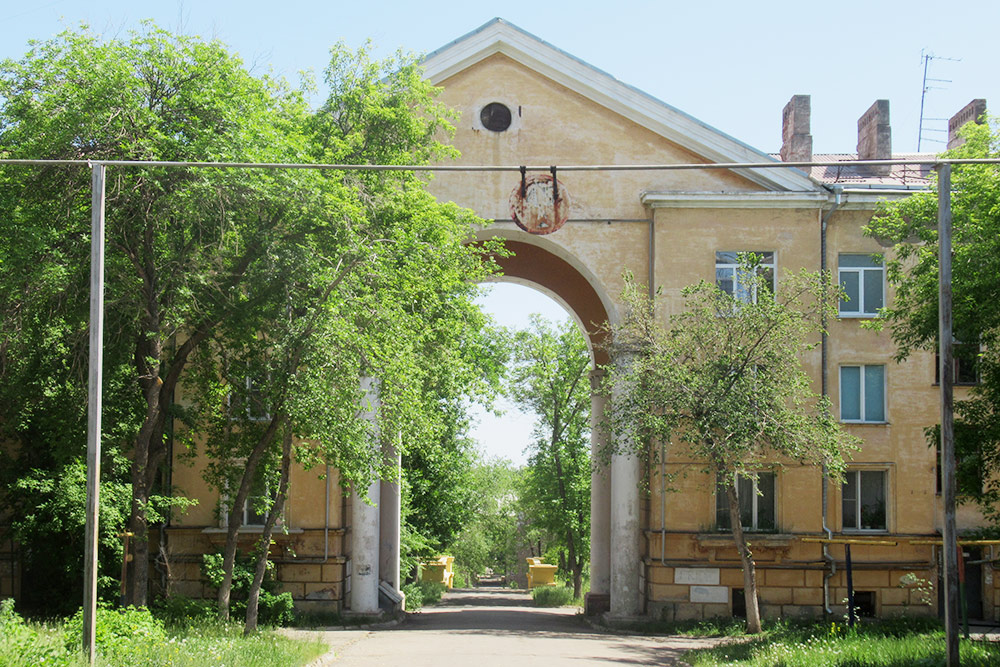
(491, 627)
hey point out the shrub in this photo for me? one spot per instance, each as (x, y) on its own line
(460, 581)
(423, 592)
(552, 596)
(431, 591)
(272, 608)
(414, 596)
(182, 611)
(23, 645)
(118, 631)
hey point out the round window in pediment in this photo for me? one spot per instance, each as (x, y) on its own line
(495, 117)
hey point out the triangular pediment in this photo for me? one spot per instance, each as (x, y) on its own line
(499, 36)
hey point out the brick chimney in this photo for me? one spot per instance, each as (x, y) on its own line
(875, 136)
(973, 112)
(796, 142)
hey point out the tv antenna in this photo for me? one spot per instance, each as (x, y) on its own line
(925, 58)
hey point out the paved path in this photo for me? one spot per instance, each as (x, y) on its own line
(487, 628)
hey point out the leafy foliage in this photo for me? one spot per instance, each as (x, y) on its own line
(274, 608)
(550, 377)
(552, 596)
(722, 383)
(910, 225)
(490, 538)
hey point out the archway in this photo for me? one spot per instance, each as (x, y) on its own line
(545, 266)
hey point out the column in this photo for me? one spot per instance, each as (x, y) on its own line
(626, 597)
(365, 520)
(598, 599)
(389, 518)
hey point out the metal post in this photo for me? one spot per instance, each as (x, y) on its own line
(94, 384)
(946, 369)
(963, 603)
(852, 613)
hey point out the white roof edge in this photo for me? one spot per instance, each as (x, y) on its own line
(770, 200)
(499, 36)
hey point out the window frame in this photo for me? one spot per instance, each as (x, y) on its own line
(862, 312)
(856, 472)
(248, 510)
(755, 499)
(863, 419)
(772, 265)
(961, 362)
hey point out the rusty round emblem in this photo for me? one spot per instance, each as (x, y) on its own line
(540, 205)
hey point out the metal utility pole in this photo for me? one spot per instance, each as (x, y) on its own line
(947, 369)
(94, 404)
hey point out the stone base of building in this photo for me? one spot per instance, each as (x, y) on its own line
(316, 583)
(595, 604)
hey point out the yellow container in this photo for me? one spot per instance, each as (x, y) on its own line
(540, 574)
(439, 571)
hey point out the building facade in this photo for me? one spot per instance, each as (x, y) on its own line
(659, 552)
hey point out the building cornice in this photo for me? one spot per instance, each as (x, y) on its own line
(735, 199)
(850, 199)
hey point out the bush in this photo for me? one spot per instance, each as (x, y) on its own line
(182, 612)
(414, 596)
(272, 609)
(23, 645)
(460, 581)
(423, 592)
(118, 632)
(552, 596)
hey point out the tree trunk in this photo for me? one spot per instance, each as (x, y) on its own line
(265, 539)
(746, 558)
(236, 512)
(578, 578)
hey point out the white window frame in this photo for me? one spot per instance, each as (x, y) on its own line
(262, 418)
(856, 472)
(755, 501)
(863, 310)
(861, 395)
(247, 509)
(734, 267)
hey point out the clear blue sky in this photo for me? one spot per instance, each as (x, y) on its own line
(731, 64)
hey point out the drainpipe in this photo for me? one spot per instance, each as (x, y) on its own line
(326, 518)
(651, 280)
(824, 358)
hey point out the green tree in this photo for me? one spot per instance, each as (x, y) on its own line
(489, 539)
(722, 381)
(550, 377)
(385, 291)
(910, 225)
(179, 241)
(301, 256)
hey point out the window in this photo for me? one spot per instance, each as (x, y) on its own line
(495, 117)
(862, 277)
(253, 402)
(254, 510)
(756, 495)
(965, 357)
(864, 495)
(253, 513)
(862, 393)
(734, 281)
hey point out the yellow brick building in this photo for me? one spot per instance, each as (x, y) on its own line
(524, 102)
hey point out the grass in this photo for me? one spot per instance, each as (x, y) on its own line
(552, 596)
(146, 642)
(890, 643)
